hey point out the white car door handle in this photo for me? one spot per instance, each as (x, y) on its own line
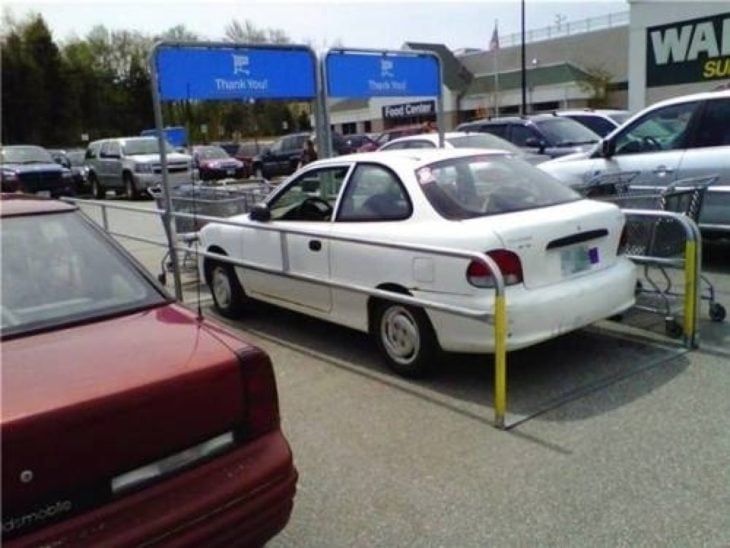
(663, 170)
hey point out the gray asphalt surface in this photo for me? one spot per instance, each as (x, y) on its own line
(622, 437)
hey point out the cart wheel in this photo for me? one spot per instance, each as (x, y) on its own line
(717, 312)
(673, 328)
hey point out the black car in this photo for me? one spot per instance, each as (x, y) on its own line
(282, 157)
(74, 160)
(549, 134)
(31, 169)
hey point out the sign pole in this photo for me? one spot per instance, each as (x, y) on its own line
(167, 222)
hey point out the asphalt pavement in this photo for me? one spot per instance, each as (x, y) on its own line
(619, 436)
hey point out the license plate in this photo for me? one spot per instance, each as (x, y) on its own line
(43, 193)
(578, 259)
(230, 172)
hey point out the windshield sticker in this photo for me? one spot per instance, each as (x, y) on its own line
(425, 176)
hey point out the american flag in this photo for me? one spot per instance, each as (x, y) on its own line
(494, 42)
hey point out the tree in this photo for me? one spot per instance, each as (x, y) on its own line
(596, 82)
(248, 33)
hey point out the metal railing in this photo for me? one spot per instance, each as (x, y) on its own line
(567, 28)
(498, 318)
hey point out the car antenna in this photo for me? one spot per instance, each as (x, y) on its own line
(195, 244)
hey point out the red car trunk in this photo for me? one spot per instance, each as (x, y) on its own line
(79, 409)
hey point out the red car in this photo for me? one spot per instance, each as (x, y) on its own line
(214, 163)
(126, 419)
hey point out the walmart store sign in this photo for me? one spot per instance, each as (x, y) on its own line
(688, 51)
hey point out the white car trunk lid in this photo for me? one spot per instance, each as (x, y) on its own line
(560, 242)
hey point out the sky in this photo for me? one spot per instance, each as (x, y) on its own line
(376, 24)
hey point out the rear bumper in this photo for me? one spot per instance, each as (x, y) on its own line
(544, 313)
(241, 498)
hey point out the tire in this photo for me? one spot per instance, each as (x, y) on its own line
(673, 329)
(405, 337)
(258, 172)
(130, 191)
(717, 312)
(228, 295)
(97, 191)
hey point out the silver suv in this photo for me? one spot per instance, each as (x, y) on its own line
(675, 139)
(130, 165)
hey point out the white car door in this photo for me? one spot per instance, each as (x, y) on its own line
(306, 203)
(652, 146)
(708, 154)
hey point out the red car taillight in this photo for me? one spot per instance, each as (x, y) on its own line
(261, 401)
(508, 262)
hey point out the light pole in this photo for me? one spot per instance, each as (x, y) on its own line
(524, 69)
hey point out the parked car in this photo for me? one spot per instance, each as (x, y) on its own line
(601, 121)
(558, 253)
(361, 142)
(131, 165)
(282, 157)
(31, 169)
(461, 139)
(247, 152)
(75, 161)
(126, 419)
(213, 163)
(396, 132)
(679, 138)
(549, 134)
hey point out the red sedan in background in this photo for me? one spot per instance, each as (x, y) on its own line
(213, 163)
(126, 419)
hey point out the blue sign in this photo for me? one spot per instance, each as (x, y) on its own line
(207, 72)
(372, 74)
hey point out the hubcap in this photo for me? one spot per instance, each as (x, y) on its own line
(221, 288)
(399, 334)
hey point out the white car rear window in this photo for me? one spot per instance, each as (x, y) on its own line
(477, 186)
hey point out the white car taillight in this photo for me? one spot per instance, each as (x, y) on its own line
(509, 265)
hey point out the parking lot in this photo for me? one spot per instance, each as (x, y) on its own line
(619, 435)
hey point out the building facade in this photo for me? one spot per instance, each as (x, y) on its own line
(655, 50)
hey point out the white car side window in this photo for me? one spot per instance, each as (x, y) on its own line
(310, 197)
(662, 129)
(374, 194)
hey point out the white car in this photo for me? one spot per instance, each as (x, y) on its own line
(463, 139)
(680, 138)
(559, 253)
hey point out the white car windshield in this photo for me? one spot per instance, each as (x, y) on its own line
(483, 140)
(477, 186)
(57, 270)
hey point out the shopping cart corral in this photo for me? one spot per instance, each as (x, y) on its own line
(222, 200)
(659, 243)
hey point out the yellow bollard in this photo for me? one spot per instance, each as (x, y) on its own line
(500, 361)
(690, 291)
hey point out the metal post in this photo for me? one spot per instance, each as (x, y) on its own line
(105, 218)
(440, 122)
(322, 122)
(500, 356)
(167, 216)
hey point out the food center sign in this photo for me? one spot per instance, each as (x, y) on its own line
(688, 51)
(205, 72)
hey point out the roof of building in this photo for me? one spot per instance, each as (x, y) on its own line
(539, 76)
(456, 76)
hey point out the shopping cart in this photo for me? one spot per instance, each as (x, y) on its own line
(663, 239)
(223, 200)
(606, 185)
